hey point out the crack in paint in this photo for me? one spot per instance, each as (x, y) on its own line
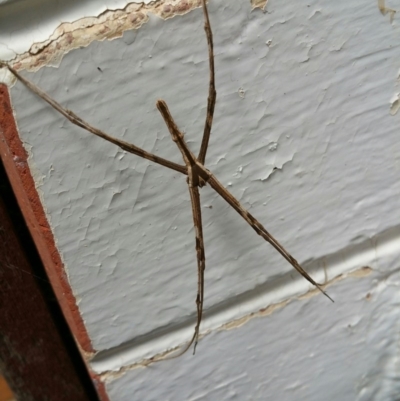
(234, 324)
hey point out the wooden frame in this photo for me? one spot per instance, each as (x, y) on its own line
(38, 354)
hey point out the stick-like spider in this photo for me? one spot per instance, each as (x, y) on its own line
(197, 174)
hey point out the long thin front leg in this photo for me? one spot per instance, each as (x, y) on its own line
(193, 183)
(212, 94)
(260, 230)
(71, 116)
(201, 260)
(176, 134)
(201, 265)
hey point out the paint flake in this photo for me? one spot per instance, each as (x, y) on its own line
(258, 4)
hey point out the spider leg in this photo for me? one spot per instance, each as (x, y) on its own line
(74, 119)
(177, 136)
(201, 260)
(194, 180)
(212, 94)
(260, 230)
(201, 265)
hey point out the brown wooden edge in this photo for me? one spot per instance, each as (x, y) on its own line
(5, 391)
(33, 356)
(14, 158)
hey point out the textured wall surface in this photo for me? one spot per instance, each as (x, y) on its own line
(305, 136)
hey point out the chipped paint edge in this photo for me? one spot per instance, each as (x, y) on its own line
(109, 25)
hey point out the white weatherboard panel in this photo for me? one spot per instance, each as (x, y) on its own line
(351, 354)
(304, 88)
(372, 254)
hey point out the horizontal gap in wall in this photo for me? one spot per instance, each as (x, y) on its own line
(286, 287)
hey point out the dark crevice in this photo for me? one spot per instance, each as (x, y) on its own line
(42, 281)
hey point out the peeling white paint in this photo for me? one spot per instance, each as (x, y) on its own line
(23, 22)
(279, 153)
(109, 25)
(93, 225)
(395, 104)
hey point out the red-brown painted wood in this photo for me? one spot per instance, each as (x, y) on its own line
(14, 158)
(5, 391)
(19, 303)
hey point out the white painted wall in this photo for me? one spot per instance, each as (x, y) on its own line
(307, 88)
